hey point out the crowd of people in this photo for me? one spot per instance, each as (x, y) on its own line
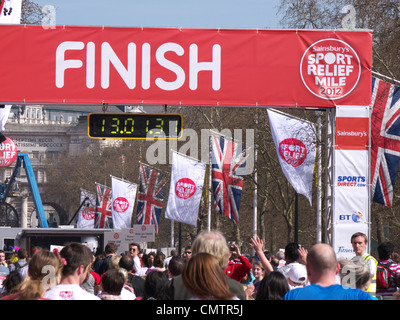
(209, 269)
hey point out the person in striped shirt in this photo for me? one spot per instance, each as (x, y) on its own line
(385, 252)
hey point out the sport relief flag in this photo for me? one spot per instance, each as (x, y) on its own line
(103, 214)
(385, 140)
(187, 179)
(123, 200)
(295, 143)
(227, 158)
(87, 211)
(150, 196)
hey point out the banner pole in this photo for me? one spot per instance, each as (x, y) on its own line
(255, 180)
(296, 219)
(319, 184)
(209, 183)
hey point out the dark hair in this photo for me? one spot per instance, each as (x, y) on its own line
(154, 285)
(158, 261)
(135, 244)
(12, 281)
(113, 281)
(126, 262)
(75, 255)
(176, 265)
(385, 249)
(272, 287)
(292, 252)
(22, 253)
(111, 247)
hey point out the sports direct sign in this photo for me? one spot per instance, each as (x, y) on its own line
(96, 65)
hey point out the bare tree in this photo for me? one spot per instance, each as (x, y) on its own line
(31, 13)
(382, 17)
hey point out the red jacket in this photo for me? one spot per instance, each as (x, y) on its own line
(238, 268)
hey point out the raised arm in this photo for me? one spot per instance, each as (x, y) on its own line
(257, 244)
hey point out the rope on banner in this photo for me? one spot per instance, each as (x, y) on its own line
(225, 136)
(381, 75)
(123, 180)
(290, 116)
(103, 185)
(184, 155)
(154, 168)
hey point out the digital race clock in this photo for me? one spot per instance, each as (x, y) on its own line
(134, 125)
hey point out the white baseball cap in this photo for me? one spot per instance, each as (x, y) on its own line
(297, 273)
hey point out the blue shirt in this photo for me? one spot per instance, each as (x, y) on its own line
(333, 292)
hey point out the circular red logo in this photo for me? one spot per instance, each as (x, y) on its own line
(330, 69)
(116, 235)
(8, 152)
(120, 204)
(88, 214)
(293, 151)
(143, 228)
(185, 188)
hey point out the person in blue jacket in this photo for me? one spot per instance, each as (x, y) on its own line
(322, 268)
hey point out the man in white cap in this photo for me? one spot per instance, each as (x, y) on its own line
(297, 276)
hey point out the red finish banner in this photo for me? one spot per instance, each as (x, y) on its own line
(229, 67)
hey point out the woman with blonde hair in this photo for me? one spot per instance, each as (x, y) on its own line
(205, 279)
(44, 273)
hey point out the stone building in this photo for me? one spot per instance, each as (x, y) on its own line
(45, 132)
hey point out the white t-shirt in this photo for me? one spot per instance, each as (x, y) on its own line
(127, 295)
(139, 271)
(69, 292)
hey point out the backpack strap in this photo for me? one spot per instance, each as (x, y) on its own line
(17, 266)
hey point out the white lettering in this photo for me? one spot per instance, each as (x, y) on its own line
(90, 65)
(127, 74)
(146, 66)
(62, 64)
(196, 67)
(127, 70)
(180, 73)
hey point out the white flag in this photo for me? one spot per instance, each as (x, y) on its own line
(296, 148)
(187, 179)
(10, 11)
(123, 201)
(4, 113)
(86, 213)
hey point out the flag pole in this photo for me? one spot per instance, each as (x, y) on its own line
(172, 234)
(255, 180)
(296, 219)
(319, 183)
(77, 211)
(209, 182)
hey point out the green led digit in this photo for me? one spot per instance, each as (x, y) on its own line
(160, 126)
(103, 125)
(129, 124)
(115, 125)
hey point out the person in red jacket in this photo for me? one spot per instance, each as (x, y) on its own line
(238, 265)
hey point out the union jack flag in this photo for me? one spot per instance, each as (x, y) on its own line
(227, 185)
(385, 140)
(103, 214)
(150, 196)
